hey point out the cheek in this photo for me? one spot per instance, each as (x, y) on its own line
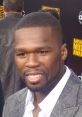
(19, 64)
(53, 65)
(50, 63)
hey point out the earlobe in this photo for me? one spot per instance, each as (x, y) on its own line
(64, 52)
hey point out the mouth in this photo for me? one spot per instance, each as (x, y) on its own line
(34, 78)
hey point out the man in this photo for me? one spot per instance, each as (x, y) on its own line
(53, 90)
(8, 75)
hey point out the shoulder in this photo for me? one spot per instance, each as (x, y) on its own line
(76, 81)
(13, 103)
(18, 96)
(74, 78)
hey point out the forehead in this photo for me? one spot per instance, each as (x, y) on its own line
(35, 33)
(35, 38)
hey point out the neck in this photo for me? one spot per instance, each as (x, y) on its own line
(38, 97)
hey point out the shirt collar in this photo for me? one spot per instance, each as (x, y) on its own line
(53, 96)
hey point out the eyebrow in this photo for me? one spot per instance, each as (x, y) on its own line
(35, 49)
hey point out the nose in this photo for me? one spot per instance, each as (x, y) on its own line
(32, 61)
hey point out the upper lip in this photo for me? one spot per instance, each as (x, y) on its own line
(32, 73)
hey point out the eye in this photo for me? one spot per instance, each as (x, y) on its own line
(42, 52)
(21, 54)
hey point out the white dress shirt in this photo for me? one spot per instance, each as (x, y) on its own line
(49, 102)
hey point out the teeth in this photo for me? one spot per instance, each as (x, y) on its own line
(34, 78)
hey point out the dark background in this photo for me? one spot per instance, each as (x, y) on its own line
(1, 2)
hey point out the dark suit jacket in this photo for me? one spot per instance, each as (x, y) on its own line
(69, 103)
(8, 73)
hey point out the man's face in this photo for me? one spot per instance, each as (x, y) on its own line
(39, 56)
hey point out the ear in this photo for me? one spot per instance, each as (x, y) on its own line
(64, 52)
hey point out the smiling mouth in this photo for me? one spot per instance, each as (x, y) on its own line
(34, 78)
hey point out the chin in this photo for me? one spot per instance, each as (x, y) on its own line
(36, 88)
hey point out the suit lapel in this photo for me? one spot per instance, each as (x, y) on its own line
(20, 104)
(66, 105)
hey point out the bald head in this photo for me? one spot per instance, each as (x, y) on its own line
(41, 19)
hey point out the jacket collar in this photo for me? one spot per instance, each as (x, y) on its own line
(20, 104)
(66, 105)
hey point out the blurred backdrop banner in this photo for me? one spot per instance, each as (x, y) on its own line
(1, 12)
